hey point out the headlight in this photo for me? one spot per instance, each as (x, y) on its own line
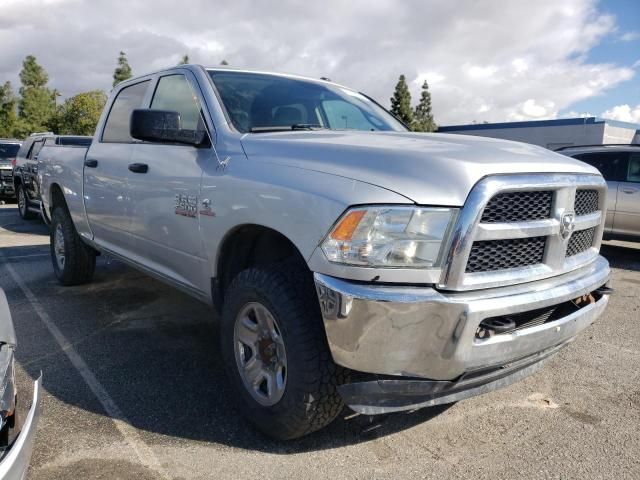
(400, 237)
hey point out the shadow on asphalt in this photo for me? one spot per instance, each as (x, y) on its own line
(623, 257)
(156, 353)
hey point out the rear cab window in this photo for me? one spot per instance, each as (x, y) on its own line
(116, 128)
(9, 150)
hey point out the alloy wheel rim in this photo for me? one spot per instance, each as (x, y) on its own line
(58, 246)
(260, 354)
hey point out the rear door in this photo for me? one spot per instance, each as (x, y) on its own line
(627, 220)
(610, 165)
(106, 173)
(166, 196)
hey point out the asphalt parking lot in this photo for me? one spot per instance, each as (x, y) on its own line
(134, 389)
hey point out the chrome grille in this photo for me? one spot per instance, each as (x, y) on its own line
(586, 202)
(525, 227)
(580, 241)
(518, 207)
(503, 254)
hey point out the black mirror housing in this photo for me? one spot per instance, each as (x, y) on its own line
(163, 126)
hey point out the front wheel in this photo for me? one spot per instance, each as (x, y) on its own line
(23, 204)
(276, 354)
(73, 261)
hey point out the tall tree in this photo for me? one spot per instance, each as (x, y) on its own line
(36, 107)
(123, 70)
(401, 102)
(79, 114)
(184, 60)
(423, 116)
(8, 114)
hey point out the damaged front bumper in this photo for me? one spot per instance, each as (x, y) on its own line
(427, 347)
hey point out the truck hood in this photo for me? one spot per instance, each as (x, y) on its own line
(428, 169)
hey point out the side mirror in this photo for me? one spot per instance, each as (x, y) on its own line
(163, 126)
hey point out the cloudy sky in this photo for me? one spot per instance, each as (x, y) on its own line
(495, 60)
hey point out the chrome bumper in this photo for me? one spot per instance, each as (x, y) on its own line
(424, 333)
(15, 462)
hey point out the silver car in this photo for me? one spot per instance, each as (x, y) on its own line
(15, 450)
(620, 166)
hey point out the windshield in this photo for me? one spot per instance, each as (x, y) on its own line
(8, 150)
(261, 102)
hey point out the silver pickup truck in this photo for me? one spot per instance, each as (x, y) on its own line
(353, 262)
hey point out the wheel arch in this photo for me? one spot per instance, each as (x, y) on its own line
(249, 245)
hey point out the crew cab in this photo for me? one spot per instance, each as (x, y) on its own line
(352, 261)
(25, 170)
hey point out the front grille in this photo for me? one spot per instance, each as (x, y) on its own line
(580, 241)
(490, 255)
(586, 202)
(518, 207)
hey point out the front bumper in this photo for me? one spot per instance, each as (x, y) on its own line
(15, 461)
(424, 333)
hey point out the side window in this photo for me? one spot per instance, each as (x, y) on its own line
(610, 164)
(633, 173)
(116, 128)
(37, 146)
(174, 93)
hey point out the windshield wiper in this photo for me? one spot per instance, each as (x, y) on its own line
(285, 128)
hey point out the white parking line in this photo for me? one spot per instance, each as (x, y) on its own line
(131, 436)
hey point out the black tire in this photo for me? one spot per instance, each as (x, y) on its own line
(310, 400)
(79, 259)
(23, 204)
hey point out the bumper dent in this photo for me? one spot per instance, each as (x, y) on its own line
(425, 333)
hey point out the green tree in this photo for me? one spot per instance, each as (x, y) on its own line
(8, 111)
(36, 107)
(184, 60)
(79, 114)
(123, 70)
(401, 102)
(423, 116)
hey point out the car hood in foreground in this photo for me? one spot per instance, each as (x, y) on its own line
(428, 169)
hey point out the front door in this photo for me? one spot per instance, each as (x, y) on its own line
(627, 220)
(106, 187)
(166, 203)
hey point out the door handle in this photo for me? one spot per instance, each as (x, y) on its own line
(139, 167)
(91, 163)
(629, 190)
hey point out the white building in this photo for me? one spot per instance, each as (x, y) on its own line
(554, 134)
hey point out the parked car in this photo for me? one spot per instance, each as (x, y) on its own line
(15, 447)
(620, 166)
(333, 240)
(25, 174)
(8, 151)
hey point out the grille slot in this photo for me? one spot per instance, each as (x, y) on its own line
(580, 241)
(586, 202)
(491, 255)
(518, 207)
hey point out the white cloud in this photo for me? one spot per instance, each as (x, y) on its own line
(505, 59)
(630, 36)
(624, 113)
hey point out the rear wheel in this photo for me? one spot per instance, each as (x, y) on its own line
(73, 261)
(276, 354)
(23, 204)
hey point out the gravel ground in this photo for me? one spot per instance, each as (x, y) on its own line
(134, 389)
